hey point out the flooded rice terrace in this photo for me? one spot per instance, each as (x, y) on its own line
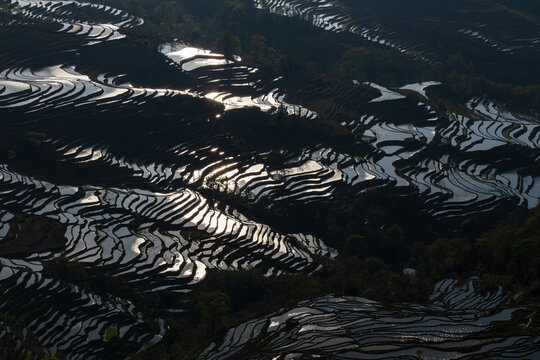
(457, 325)
(154, 198)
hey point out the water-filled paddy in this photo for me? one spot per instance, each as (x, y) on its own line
(151, 177)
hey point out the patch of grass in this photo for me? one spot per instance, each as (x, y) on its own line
(111, 332)
(509, 130)
(35, 138)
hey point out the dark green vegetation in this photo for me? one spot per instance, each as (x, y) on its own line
(29, 235)
(377, 231)
(466, 70)
(508, 254)
(8, 12)
(29, 342)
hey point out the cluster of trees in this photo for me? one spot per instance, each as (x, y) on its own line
(382, 65)
(15, 345)
(8, 13)
(375, 239)
(225, 299)
(508, 254)
(31, 234)
(374, 234)
(208, 23)
(234, 27)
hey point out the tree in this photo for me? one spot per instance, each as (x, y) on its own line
(229, 44)
(257, 51)
(211, 307)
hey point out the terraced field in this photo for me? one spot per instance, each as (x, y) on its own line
(137, 153)
(454, 326)
(506, 50)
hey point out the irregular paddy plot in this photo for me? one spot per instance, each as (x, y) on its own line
(475, 32)
(398, 156)
(459, 323)
(62, 86)
(309, 174)
(78, 324)
(179, 236)
(108, 21)
(500, 125)
(154, 224)
(238, 86)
